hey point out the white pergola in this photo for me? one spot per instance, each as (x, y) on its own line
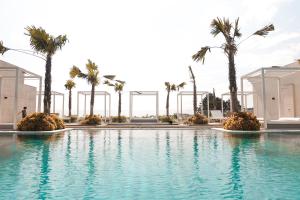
(97, 93)
(239, 93)
(142, 93)
(27, 75)
(275, 72)
(190, 93)
(54, 94)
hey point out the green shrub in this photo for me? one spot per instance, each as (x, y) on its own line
(166, 119)
(242, 121)
(197, 119)
(91, 120)
(40, 122)
(116, 119)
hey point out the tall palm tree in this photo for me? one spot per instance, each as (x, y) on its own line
(70, 84)
(194, 90)
(47, 45)
(92, 77)
(118, 86)
(172, 87)
(231, 32)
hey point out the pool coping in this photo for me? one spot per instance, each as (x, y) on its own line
(12, 132)
(257, 132)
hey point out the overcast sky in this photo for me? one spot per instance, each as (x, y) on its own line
(149, 42)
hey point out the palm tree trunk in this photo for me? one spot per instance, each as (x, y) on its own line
(92, 100)
(195, 97)
(167, 103)
(119, 107)
(70, 102)
(47, 90)
(232, 83)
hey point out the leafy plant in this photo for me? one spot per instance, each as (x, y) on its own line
(40, 122)
(242, 121)
(91, 120)
(197, 119)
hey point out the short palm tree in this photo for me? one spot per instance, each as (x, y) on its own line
(172, 87)
(118, 86)
(231, 32)
(47, 45)
(92, 77)
(70, 84)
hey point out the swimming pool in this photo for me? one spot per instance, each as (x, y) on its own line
(150, 164)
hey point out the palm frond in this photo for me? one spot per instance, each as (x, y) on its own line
(110, 77)
(200, 55)
(181, 85)
(43, 42)
(3, 49)
(119, 87)
(70, 84)
(122, 82)
(219, 25)
(75, 71)
(265, 30)
(173, 87)
(237, 32)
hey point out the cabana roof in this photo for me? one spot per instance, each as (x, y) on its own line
(143, 92)
(191, 92)
(5, 66)
(96, 93)
(273, 72)
(52, 93)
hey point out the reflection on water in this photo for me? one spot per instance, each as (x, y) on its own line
(150, 164)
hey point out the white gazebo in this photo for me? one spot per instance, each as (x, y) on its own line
(191, 93)
(97, 93)
(54, 96)
(15, 94)
(276, 94)
(239, 93)
(143, 93)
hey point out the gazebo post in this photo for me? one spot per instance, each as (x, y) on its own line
(181, 106)
(202, 104)
(242, 94)
(63, 105)
(109, 113)
(208, 114)
(16, 99)
(53, 102)
(105, 106)
(157, 106)
(177, 107)
(222, 106)
(264, 97)
(40, 95)
(130, 105)
(78, 103)
(84, 110)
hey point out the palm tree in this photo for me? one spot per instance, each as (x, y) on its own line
(70, 84)
(231, 32)
(172, 87)
(118, 86)
(46, 45)
(92, 77)
(194, 90)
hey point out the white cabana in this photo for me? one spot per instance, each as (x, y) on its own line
(276, 92)
(191, 93)
(97, 93)
(239, 93)
(15, 94)
(142, 93)
(54, 96)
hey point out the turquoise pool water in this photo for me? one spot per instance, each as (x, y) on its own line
(150, 164)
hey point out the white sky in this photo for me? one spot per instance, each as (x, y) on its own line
(149, 42)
